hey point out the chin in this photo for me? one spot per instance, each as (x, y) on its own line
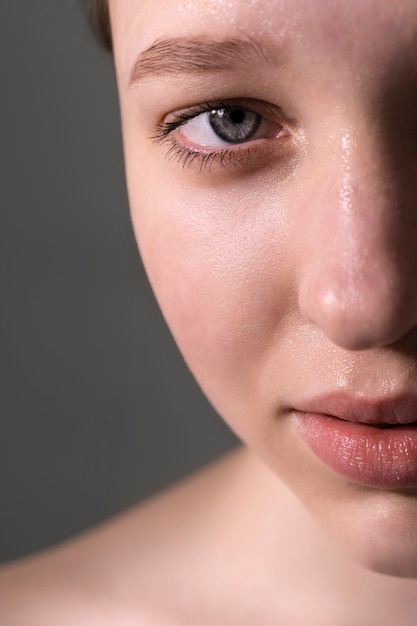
(390, 563)
(381, 535)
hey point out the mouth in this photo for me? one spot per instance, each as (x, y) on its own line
(384, 412)
(369, 442)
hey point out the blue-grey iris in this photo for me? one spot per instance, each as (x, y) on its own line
(235, 125)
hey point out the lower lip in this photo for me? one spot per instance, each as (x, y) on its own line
(384, 458)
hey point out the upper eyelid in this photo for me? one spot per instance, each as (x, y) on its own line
(262, 108)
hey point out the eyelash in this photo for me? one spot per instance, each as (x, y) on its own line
(206, 158)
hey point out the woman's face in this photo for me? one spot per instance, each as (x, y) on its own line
(271, 162)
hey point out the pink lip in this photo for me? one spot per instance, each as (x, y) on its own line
(370, 442)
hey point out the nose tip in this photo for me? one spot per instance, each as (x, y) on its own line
(359, 310)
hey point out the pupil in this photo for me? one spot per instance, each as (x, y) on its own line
(237, 116)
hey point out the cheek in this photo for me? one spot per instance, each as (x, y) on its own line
(219, 265)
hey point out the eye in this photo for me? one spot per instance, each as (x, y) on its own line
(228, 126)
(225, 134)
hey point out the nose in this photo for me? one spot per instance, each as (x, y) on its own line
(358, 276)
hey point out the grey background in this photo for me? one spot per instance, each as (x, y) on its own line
(97, 407)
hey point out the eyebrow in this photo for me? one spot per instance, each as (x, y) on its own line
(197, 56)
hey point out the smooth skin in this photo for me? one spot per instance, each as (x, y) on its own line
(285, 267)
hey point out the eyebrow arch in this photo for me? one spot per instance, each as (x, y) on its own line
(196, 56)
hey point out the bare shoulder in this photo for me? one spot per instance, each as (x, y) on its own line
(139, 568)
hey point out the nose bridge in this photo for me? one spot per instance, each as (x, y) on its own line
(358, 282)
(362, 208)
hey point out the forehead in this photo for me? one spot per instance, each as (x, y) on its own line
(326, 24)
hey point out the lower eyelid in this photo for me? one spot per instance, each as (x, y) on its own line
(238, 159)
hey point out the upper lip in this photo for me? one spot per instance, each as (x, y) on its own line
(401, 409)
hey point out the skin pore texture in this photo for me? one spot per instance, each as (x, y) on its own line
(285, 267)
